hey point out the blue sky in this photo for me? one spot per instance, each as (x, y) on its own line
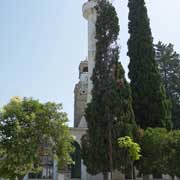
(43, 41)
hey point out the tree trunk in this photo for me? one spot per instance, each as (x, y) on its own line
(110, 153)
(105, 176)
(173, 177)
(132, 170)
(20, 177)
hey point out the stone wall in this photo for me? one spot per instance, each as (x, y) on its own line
(80, 101)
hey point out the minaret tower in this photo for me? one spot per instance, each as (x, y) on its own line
(89, 14)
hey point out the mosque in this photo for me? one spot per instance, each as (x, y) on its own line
(82, 96)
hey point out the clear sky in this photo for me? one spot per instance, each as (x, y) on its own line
(43, 41)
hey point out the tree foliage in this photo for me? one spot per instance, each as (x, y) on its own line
(109, 115)
(150, 104)
(132, 151)
(160, 152)
(27, 129)
(169, 65)
(133, 148)
(154, 156)
(172, 150)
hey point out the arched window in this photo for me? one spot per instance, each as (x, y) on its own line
(76, 157)
(85, 69)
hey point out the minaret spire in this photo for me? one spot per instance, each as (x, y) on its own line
(89, 13)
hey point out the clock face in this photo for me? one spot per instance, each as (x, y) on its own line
(83, 90)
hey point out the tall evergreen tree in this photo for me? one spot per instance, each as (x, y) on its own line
(169, 64)
(150, 104)
(109, 115)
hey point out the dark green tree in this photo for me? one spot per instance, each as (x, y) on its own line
(150, 104)
(109, 115)
(172, 150)
(160, 152)
(154, 154)
(26, 125)
(169, 65)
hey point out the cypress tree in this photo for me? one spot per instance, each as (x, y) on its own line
(109, 115)
(150, 104)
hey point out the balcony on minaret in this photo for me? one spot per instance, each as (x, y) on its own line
(83, 72)
(89, 9)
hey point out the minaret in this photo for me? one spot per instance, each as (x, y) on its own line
(89, 14)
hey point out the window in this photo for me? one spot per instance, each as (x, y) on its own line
(85, 69)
